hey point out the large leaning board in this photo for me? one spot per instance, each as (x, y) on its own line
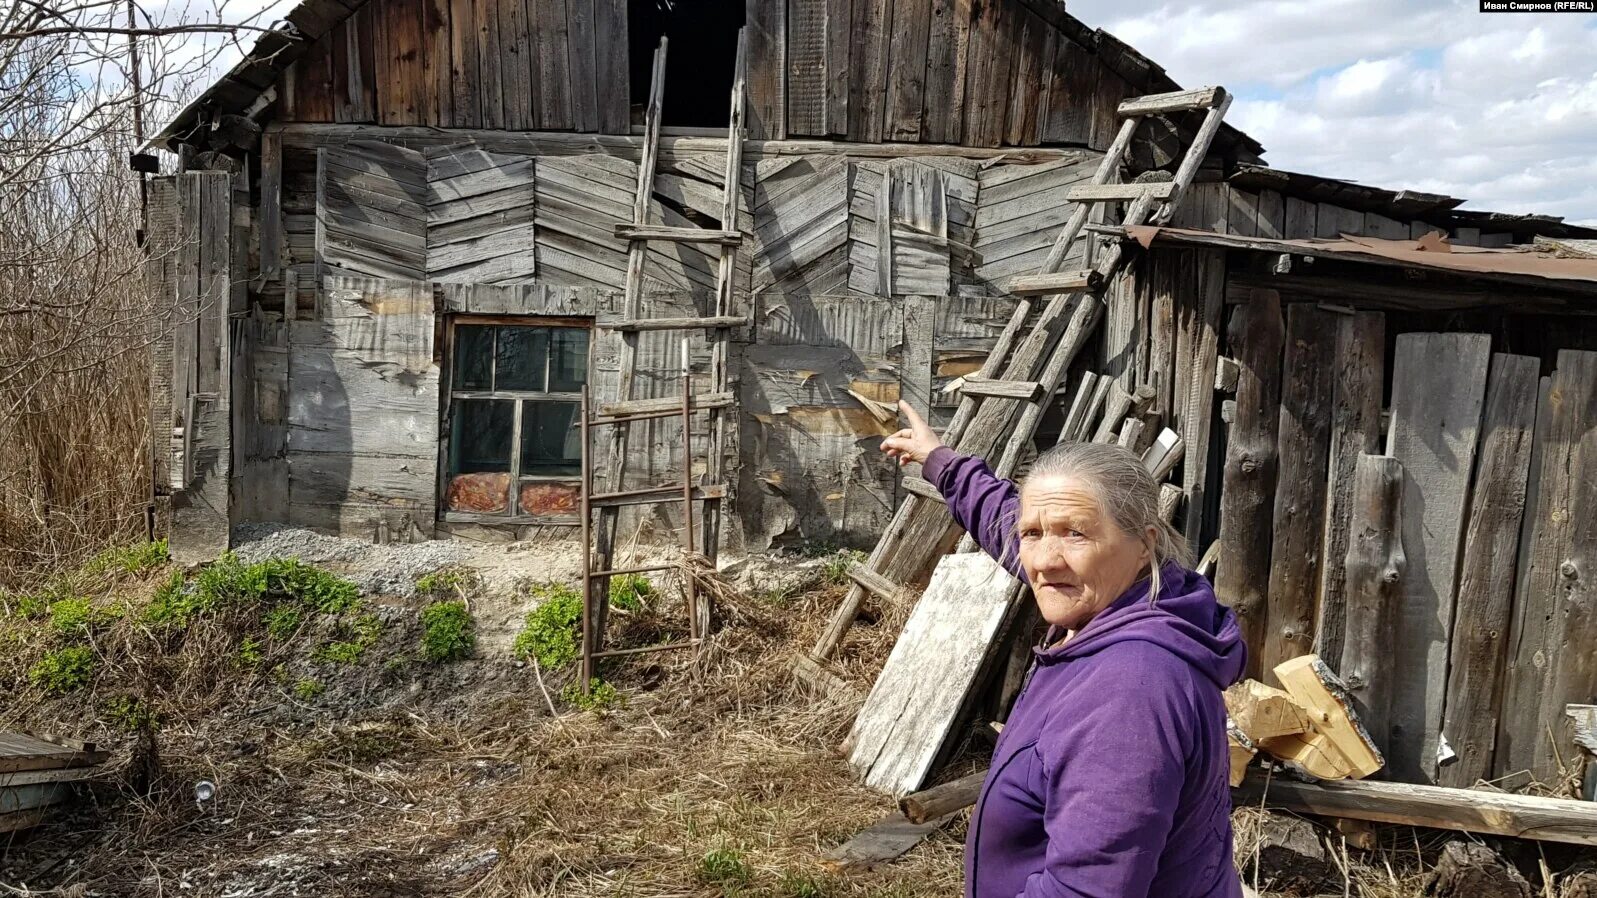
(1438, 386)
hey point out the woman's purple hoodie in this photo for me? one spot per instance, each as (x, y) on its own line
(1110, 778)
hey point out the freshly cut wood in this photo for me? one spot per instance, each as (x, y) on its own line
(1082, 281)
(1087, 193)
(934, 665)
(1438, 385)
(886, 839)
(1155, 104)
(1438, 807)
(1472, 870)
(629, 231)
(1241, 749)
(1265, 712)
(1374, 567)
(1336, 745)
(1246, 500)
(937, 801)
(1486, 580)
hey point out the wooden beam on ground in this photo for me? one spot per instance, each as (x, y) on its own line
(1242, 580)
(1356, 385)
(1486, 579)
(1438, 387)
(887, 839)
(1303, 440)
(1463, 810)
(1374, 567)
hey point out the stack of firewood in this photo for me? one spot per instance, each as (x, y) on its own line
(1310, 726)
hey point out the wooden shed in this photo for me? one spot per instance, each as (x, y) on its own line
(397, 252)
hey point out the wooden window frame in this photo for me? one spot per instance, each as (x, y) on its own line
(513, 513)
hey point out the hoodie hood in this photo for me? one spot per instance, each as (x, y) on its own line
(1186, 620)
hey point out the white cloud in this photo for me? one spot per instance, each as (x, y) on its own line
(1498, 109)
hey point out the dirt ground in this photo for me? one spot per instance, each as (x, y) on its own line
(715, 776)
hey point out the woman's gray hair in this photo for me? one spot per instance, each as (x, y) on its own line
(1126, 493)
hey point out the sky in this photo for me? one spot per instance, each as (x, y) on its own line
(1428, 95)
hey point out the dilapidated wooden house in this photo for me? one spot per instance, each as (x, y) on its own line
(399, 244)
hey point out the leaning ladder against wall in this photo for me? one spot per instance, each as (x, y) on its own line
(599, 543)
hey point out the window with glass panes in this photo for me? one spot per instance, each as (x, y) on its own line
(514, 433)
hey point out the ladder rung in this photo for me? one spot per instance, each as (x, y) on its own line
(668, 324)
(645, 649)
(654, 495)
(1154, 104)
(641, 569)
(922, 487)
(678, 235)
(873, 581)
(1028, 390)
(1091, 193)
(668, 404)
(1083, 281)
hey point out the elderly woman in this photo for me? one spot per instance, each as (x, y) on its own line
(1109, 779)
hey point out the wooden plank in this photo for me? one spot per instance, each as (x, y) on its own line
(519, 85)
(876, 583)
(1554, 626)
(1197, 421)
(1085, 193)
(1156, 104)
(355, 68)
(947, 44)
(1486, 580)
(490, 88)
(767, 75)
(1026, 100)
(1475, 811)
(1243, 578)
(1303, 444)
(976, 385)
(933, 665)
(868, 61)
(582, 65)
(548, 34)
(906, 71)
(401, 65)
(271, 215)
(464, 83)
(1333, 221)
(625, 231)
(1072, 82)
(1302, 219)
(883, 841)
(806, 67)
(439, 107)
(612, 78)
(1357, 378)
(1083, 280)
(987, 83)
(662, 324)
(1438, 383)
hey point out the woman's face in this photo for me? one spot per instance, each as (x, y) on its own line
(1077, 559)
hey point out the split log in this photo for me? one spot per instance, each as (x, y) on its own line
(1374, 567)
(1264, 712)
(1336, 746)
(1241, 749)
(1471, 870)
(1243, 579)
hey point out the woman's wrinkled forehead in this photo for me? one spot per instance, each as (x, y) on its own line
(1053, 494)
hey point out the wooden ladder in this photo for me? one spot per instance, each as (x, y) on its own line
(599, 543)
(1011, 373)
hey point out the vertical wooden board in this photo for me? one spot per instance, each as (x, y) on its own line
(440, 78)
(1486, 581)
(1271, 221)
(271, 214)
(1026, 99)
(1375, 566)
(1199, 417)
(1242, 212)
(1242, 580)
(906, 70)
(401, 66)
(1303, 443)
(548, 35)
(987, 84)
(1552, 662)
(311, 99)
(946, 47)
(1163, 284)
(1106, 96)
(915, 371)
(767, 75)
(1302, 219)
(1357, 379)
(868, 60)
(806, 68)
(835, 66)
(355, 68)
(582, 64)
(1438, 384)
(1071, 85)
(518, 64)
(612, 79)
(1333, 221)
(1384, 228)
(490, 73)
(464, 85)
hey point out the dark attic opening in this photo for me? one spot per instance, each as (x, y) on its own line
(699, 59)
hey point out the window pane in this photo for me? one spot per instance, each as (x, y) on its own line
(480, 438)
(568, 363)
(474, 357)
(551, 439)
(523, 355)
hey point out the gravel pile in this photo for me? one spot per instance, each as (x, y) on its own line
(377, 570)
